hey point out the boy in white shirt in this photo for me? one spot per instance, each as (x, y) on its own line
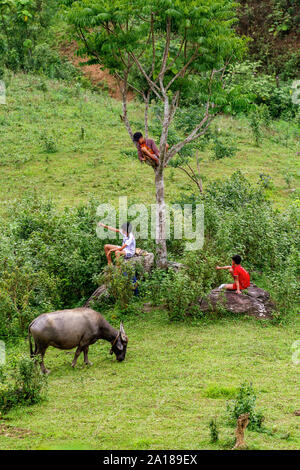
(128, 247)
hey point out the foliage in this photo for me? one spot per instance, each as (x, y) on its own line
(213, 430)
(254, 120)
(245, 403)
(26, 39)
(24, 385)
(247, 84)
(273, 40)
(49, 142)
(48, 260)
(120, 282)
(223, 149)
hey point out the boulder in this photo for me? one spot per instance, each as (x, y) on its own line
(141, 258)
(254, 301)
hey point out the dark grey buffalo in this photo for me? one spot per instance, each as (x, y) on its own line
(77, 327)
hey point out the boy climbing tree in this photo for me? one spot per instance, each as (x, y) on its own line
(147, 149)
(240, 275)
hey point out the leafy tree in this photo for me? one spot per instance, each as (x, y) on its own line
(158, 49)
(22, 24)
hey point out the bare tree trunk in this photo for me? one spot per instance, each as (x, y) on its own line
(161, 245)
(242, 423)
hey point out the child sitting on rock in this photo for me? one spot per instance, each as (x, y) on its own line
(240, 275)
(128, 247)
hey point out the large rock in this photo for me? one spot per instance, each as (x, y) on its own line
(254, 301)
(141, 259)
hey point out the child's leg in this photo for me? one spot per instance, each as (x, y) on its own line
(108, 249)
(152, 158)
(228, 286)
(119, 254)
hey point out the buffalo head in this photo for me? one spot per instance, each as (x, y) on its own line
(119, 345)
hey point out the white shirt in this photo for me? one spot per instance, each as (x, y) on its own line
(129, 241)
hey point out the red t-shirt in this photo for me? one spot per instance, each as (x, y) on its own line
(243, 276)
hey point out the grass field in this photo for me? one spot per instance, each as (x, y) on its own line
(42, 116)
(161, 396)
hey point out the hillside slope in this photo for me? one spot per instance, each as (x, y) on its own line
(68, 142)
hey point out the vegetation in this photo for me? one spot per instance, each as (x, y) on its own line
(245, 403)
(23, 384)
(65, 151)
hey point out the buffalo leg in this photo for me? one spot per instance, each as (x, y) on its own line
(43, 368)
(77, 354)
(86, 360)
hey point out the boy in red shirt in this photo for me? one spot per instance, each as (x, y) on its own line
(240, 275)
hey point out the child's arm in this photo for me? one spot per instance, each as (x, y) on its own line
(146, 151)
(222, 267)
(108, 227)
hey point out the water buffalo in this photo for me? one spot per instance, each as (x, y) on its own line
(78, 327)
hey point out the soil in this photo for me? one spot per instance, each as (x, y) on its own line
(97, 75)
(12, 431)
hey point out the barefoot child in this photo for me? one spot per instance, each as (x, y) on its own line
(128, 247)
(147, 149)
(147, 152)
(240, 275)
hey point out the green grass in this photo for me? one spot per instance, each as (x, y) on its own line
(160, 396)
(96, 165)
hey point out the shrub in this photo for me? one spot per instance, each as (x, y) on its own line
(25, 385)
(223, 149)
(247, 85)
(213, 430)
(120, 282)
(255, 124)
(49, 143)
(245, 403)
(239, 219)
(46, 61)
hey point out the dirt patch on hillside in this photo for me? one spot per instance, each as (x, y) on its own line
(12, 431)
(97, 75)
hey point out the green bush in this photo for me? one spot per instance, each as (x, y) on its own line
(213, 430)
(223, 149)
(248, 86)
(239, 219)
(119, 281)
(24, 385)
(245, 403)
